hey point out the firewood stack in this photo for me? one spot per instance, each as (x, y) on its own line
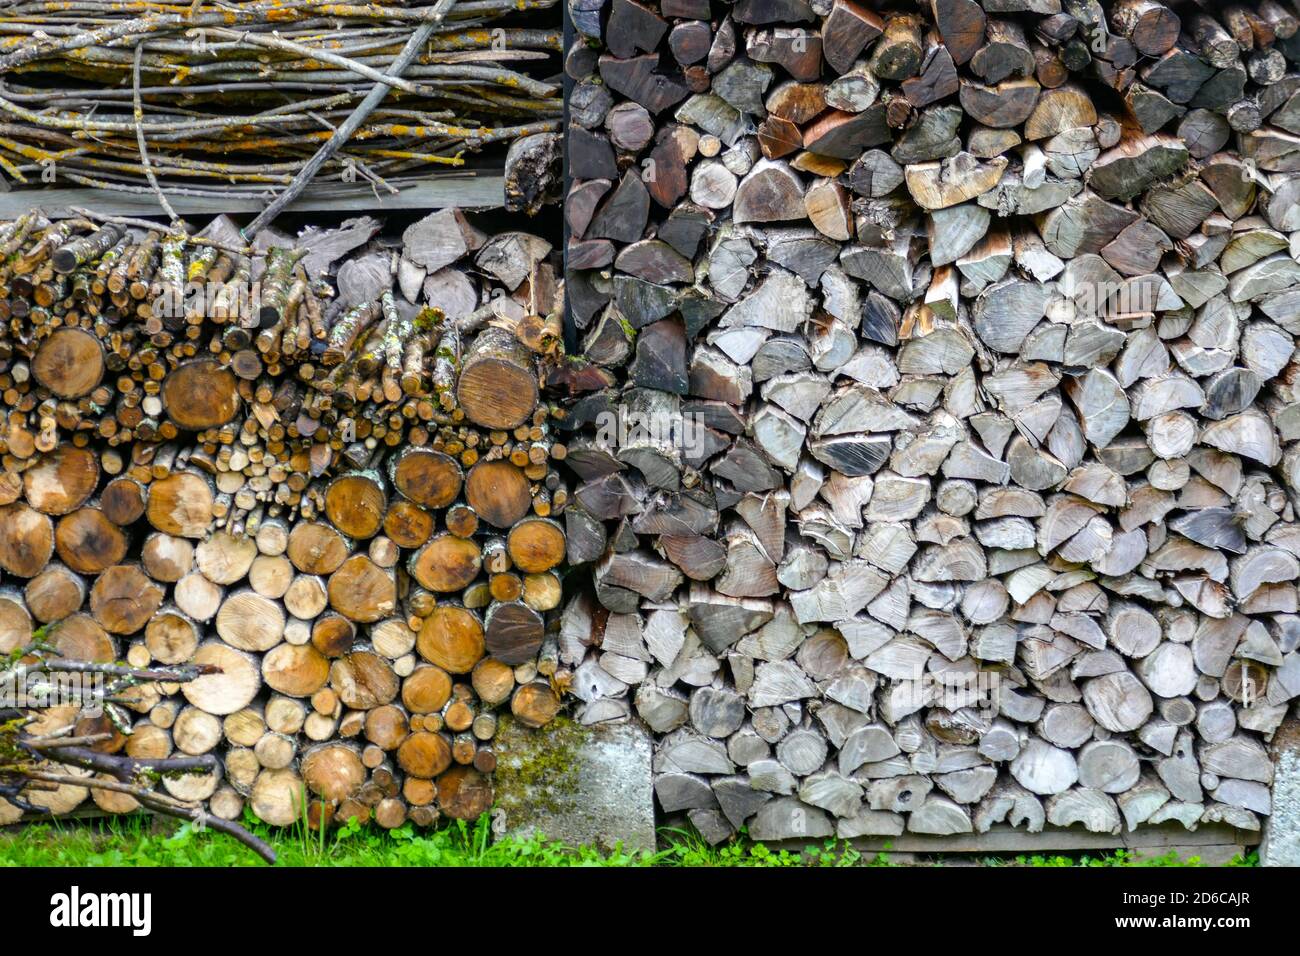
(954, 343)
(336, 486)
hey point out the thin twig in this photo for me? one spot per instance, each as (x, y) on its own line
(144, 151)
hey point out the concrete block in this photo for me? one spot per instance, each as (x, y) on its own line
(1281, 843)
(583, 786)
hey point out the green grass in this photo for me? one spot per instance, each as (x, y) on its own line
(144, 841)
(148, 841)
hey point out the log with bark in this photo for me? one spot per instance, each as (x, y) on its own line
(929, 352)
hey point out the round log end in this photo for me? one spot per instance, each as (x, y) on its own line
(201, 394)
(70, 363)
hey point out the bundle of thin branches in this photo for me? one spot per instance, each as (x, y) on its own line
(225, 99)
(58, 733)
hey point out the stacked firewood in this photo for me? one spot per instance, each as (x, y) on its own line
(949, 351)
(323, 465)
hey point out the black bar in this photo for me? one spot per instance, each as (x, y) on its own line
(599, 909)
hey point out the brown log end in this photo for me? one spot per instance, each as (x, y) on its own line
(200, 394)
(535, 704)
(316, 548)
(498, 492)
(70, 363)
(123, 599)
(424, 754)
(452, 638)
(122, 501)
(407, 524)
(355, 504)
(464, 793)
(428, 478)
(447, 563)
(88, 542)
(362, 591)
(363, 680)
(26, 539)
(426, 689)
(493, 681)
(333, 771)
(536, 545)
(80, 638)
(296, 670)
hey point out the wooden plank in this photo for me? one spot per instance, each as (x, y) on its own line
(472, 190)
(1005, 839)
